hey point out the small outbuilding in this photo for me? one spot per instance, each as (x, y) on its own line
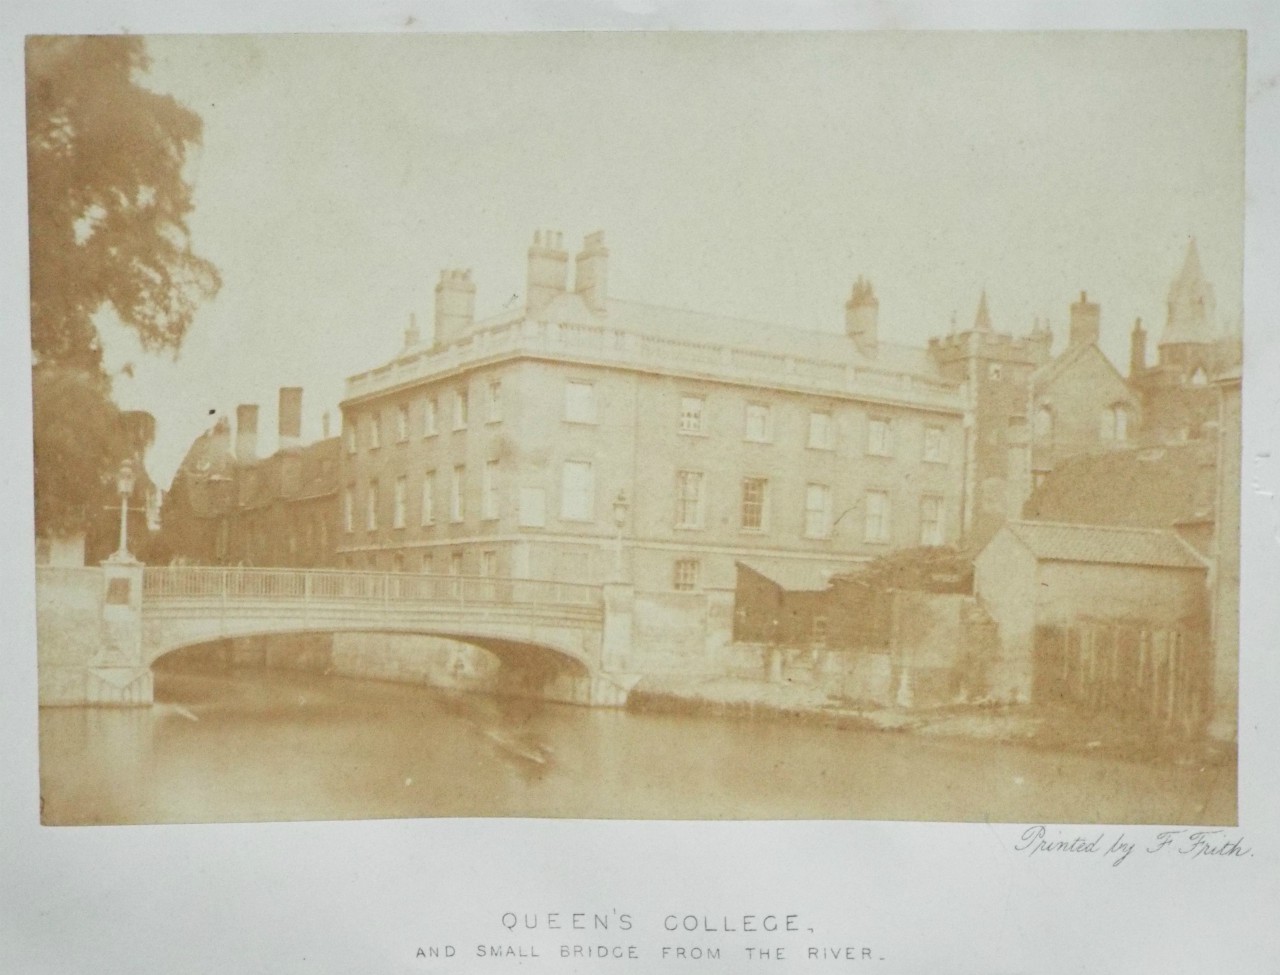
(1049, 578)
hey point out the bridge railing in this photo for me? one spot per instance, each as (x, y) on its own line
(232, 583)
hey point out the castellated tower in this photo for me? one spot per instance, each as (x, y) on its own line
(995, 368)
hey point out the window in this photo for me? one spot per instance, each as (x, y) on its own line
(402, 424)
(400, 500)
(489, 496)
(880, 437)
(429, 417)
(930, 520)
(533, 507)
(686, 575)
(495, 401)
(579, 402)
(375, 431)
(1115, 422)
(688, 499)
(1198, 378)
(935, 445)
(353, 438)
(457, 497)
(995, 370)
(428, 513)
(759, 428)
(691, 414)
(1044, 423)
(817, 511)
(460, 410)
(820, 630)
(348, 509)
(578, 491)
(820, 431)
(489, 563)
(397, 562)
(754, 503)
(877, 516)
(455, 563)
(371, 507)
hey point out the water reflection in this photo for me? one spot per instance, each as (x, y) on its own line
(259, 745)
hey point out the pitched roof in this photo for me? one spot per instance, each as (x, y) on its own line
(1142, 487)
(1058, 542)
(796, 576)
(1072, 354)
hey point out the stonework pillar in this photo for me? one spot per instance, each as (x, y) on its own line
(616, 641)
(118, 673)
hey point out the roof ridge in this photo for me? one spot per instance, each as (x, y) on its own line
(1082, 526)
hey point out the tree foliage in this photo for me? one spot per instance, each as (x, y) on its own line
(108, 208)
(108, 204)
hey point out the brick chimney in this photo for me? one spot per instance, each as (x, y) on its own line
(246, 433)
(548, 270)
(455, 305)
(1137, 349)
(861, 317)
(1086, 317)
(290, 426)
(591, 274)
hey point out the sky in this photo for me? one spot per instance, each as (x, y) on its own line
(750, 175)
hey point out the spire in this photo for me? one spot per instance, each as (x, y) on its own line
(982, 320)
(1191, 306)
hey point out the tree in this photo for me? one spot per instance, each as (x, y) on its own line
(107, 208)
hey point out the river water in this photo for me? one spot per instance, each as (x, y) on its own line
(279, 745)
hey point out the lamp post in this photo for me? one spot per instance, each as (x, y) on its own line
(620, 505)
(124, 487)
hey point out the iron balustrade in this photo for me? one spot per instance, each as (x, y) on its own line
(233, 582)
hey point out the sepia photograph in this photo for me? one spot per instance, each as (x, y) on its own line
(642, 426)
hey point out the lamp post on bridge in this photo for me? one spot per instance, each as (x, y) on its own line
(125, 481)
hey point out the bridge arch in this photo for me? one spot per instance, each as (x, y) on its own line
(544, 657)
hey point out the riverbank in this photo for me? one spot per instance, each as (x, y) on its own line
(1055, 729)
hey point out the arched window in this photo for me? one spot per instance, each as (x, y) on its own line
(1044, 423)
(1115, 422)
(1198, 378)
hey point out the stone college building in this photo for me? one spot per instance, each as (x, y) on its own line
(584, 438)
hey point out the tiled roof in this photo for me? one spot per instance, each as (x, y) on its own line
(1058, 542)
(1142, 487)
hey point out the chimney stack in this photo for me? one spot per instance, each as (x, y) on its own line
(411, 334)
(290, 427)
(548, 270)
(455, 306)
(324, 425)
(1137, 349)
(861, 317)
(221, 437)
(246, 433)
(1086, 317)
(591, 275)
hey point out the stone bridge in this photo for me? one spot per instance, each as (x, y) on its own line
(100, 629)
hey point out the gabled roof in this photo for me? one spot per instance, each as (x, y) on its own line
(1051, 370)
(1109, 545)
